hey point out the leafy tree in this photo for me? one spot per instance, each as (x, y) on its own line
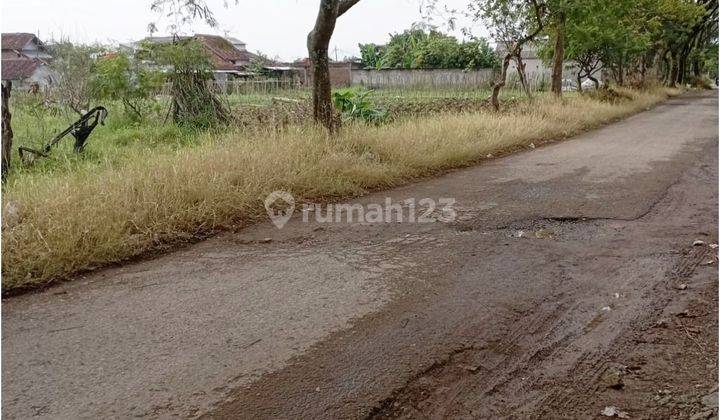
(423, 47)
(371, 55)
(513, 23)
(120, 78)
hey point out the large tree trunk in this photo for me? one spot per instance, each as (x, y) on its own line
(7, 133)
(318, 44)
(558, 55)
(682, 64)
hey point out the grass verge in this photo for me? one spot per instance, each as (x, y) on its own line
(56, 225)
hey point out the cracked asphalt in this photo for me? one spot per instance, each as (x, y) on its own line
(561, 262)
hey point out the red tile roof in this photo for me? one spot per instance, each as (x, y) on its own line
(16, 41)
(224, 54)
(19, 68)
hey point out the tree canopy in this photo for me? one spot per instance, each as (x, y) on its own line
(422, 47)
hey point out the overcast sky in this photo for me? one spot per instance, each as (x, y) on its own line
(275, 27)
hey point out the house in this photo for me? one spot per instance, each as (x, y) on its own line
(25, 60)
(229, 56)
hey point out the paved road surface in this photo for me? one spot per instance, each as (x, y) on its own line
(559, 258)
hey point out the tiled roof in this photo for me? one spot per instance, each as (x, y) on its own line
(19, 68)
(223, 49)
(16, 41)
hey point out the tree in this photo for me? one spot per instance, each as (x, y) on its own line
(121, 78)
(590, 33)
(75, 69)
(513, 23)
(371, 55)
(318, 44)
(7, 133)
(424, 47)
(558, 10)
(193, 103)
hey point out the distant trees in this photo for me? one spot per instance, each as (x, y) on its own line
(624, 38)
(422, 47)
(627, 38)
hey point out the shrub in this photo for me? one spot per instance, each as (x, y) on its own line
(355, 105)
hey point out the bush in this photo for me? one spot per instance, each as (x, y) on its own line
(701, 82)
(610, 95)
(355, 104)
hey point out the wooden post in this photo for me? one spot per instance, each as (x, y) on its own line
(7, 133)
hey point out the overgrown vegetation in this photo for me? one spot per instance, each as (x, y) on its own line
(57, 222)
(193, 103)
(118, 77)
(356, 105)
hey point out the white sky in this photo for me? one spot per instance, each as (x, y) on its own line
(275, 27)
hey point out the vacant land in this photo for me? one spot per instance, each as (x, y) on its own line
(148, 186)
(467, 319)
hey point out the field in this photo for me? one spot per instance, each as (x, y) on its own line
(35, 123)
(145, 186)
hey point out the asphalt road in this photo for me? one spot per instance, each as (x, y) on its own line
(557, 257)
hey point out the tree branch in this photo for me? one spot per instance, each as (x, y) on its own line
(345, 5)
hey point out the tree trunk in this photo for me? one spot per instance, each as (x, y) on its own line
(558, 55)
(522, 75)
(516, 52)
(673, 69)
(318, 44)
(682, 64)
(7, 133)
(620, 74)
(579, 81)
(500, 82)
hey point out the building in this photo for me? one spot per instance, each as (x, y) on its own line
(26, 60)
(229, 56)
(340, 71)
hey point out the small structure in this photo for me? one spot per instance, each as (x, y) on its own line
(340, 71)
(25, 61)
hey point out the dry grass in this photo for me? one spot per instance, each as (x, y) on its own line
(54, 226)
